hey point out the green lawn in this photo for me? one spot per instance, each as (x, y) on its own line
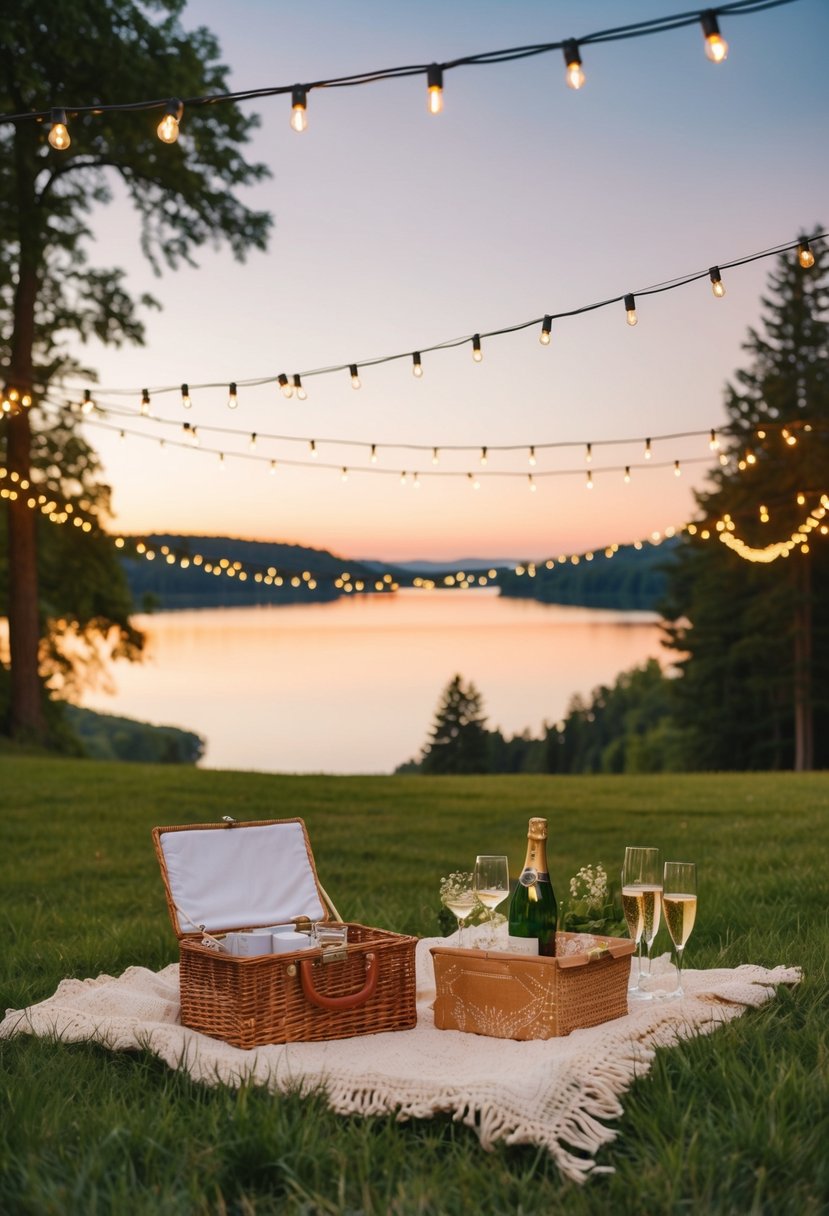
(735, 1122)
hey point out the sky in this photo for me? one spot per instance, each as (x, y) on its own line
(395, 229)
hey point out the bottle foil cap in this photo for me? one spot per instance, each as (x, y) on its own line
(538, 829)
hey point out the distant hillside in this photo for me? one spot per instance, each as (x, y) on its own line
(632, 579)
(159, 585)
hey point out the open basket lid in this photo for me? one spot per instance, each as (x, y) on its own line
(223, 876)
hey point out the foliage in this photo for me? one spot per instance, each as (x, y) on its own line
(591, 905)
(458, 740)
(51, 298)
(754, 638)
(108, 737)
(723, 1123)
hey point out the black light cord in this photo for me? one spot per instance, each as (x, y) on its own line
(639, 29)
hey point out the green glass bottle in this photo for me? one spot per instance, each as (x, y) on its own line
(533, 910)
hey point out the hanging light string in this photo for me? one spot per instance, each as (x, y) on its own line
(174, 108)
(293, 384)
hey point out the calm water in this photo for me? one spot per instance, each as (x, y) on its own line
(352, 686)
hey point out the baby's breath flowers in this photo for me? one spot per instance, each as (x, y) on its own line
(591, 907)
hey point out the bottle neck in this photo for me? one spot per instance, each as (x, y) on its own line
(536, 858)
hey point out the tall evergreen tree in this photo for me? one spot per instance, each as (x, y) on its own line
(458, 741)
(107, 52)
(755, 690)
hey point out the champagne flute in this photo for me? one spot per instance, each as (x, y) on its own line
(641, 901)
(457, 893)
(491, 884)
(679, 899)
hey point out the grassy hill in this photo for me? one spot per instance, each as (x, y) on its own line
(728, 1123)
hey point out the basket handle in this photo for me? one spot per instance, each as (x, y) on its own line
(306, 972)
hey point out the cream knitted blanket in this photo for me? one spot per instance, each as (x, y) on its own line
(560, 1093)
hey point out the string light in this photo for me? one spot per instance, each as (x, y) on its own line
(588, 453)
(647, 449)
(312, 447)
(168, 128)
(88, 404)
(677, 469)
(232, 396)
(282, 380)
(252, 444)
(185, 396)
(285, 386)
(627, 474)
(417, 365)
(345, 473)
(531, 458)
(298, 389)
(355, 375)
(531, 482)
(434, 89)
(373, 455)
(716, 48)
(435, 456)
(483, 456)
(572, 59)
(804, 254)
(546, 327)
(589, 480)
(477, 353)
(717, 285)
(299, 115)
(272, 468)
(58, 131)
(713, 442)
(145, 402)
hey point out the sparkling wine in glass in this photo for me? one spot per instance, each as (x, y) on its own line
(642, 904)
(457, 893)
(491, 883)
(679, 899)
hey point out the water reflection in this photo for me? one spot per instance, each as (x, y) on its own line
(351, 686)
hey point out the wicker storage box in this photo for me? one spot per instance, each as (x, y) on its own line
(517, 996)
(241, 876)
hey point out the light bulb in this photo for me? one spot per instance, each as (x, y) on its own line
(627, 474)
(88, 404)
(647, 449)
(232, 396)
(167, 129)
(272, 469)
(373, 456)
(574, 74)
(531, 482)
(185, 396)
(285, 386)
(435, 456)
(717, 285)
(677, 469)
(713, 442)
(300, 391)
(417, 366)
(355, 375)
(58, 133)
(252, 444)
(531, 457)
(630, 307)
(345, 473)
(434, 89)
(477, 353)
(716, 47)
(588, 453)
(590, 481)
(299, 114)
(483, 456)
(312, 448)
(145, 401)
(546, 326)
(804, 255)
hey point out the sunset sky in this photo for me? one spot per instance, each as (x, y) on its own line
(395, 230)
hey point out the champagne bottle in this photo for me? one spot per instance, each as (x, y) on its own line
(533, 910)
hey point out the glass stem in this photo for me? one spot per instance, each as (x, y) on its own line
(679, 968)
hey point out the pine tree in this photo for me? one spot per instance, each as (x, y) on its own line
(458, 742)
(755, 686)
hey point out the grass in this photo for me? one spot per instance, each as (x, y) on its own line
(734, 1122)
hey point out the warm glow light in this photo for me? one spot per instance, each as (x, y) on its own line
(417, 366)
(531, 458)
(804, 255)
(232, 396)
(434, 89)
(285, 386)
(483, 456)
(145, 401)
(630, 308)
(355, 376)
(298, 389)
(299, 115)
(573, 74)
(716, 48)
(435, 456)
(648, 452)
(477, 353)
(717, 285)
(713, 442)
(546, 327)
(58, 132)
(185, 396)
(373, 453)
(168, 129)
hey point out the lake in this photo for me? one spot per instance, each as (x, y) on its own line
(352, 686)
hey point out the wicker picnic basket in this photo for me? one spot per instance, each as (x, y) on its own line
(241, 876)
(516, 996)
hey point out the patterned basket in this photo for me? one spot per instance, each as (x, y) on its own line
(245, 878)
(515, 996)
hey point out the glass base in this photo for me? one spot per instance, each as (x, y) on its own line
(639, 994)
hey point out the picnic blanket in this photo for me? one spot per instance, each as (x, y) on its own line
(561, 1093)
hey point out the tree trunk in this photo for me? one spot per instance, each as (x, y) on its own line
(804, 743)
(27, 721)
